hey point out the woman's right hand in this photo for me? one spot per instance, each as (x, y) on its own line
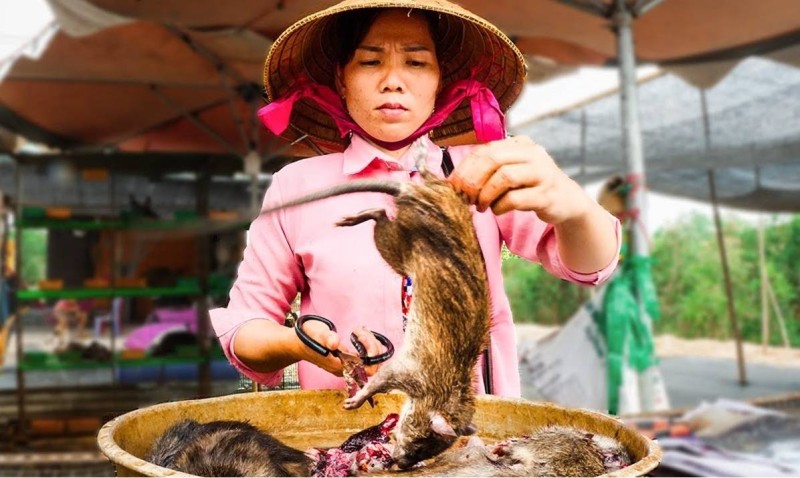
(331, 340)
(325, 337)
(266, 346)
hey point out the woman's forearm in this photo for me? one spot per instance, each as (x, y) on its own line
(266, 346)
(587, 243)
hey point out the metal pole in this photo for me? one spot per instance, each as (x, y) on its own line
(631, 129)
(22, 417)
(650, 384)
(202, 204)
(584, 129)
(634, 159)
(721, 241)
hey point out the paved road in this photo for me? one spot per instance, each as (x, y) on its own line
(690, 380)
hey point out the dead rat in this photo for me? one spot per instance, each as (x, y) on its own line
(549, 451)
(432, 240)
(226, 448)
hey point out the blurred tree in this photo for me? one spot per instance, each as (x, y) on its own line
(536, 296)
(688, 275)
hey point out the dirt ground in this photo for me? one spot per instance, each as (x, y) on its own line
(671, 346)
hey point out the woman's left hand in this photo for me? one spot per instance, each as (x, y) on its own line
(371, 346)
(516, 173)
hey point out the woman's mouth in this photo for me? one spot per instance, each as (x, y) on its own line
(392, 111)
(392, 106)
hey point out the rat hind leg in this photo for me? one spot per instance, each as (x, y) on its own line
(389, 377)
(356, 219)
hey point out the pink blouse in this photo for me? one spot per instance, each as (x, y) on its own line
(341, 275)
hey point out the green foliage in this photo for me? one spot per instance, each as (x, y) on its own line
(687, 272)
(537, 296)
(34, 250)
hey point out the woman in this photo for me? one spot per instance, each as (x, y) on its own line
(373, 80)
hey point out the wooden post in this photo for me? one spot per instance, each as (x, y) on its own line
(721, 241)
(778, 314)
(762, 266)
(727, 278)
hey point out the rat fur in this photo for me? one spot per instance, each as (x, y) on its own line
(226, 448)
(432, 240)
(549, 451)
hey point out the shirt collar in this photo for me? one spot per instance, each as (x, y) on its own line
(361, 153)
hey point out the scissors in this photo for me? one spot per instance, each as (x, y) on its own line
(365, 359)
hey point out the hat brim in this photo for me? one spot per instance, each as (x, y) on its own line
(304, 51)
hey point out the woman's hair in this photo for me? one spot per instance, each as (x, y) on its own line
(349, 29)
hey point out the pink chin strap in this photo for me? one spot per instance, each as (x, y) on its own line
(487, 118)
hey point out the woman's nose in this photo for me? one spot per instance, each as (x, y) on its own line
(392, 79)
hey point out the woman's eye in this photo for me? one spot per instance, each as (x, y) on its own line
(369, 62)
(416, 63)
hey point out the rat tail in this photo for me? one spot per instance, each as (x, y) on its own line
(365, 185)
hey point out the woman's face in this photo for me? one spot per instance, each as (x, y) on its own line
(391, 83)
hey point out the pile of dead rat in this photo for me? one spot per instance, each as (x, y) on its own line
(234, 448)
(433, 432)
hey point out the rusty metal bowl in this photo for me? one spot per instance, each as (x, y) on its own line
(315, 418)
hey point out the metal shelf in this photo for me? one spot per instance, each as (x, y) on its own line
(92, 293)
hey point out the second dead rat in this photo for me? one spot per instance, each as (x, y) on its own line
(548, 451)
(432, 240)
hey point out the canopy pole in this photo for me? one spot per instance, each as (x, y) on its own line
(584, 129)
(652, 390)
(203, 244)
(764, 298)
(22, 416)
(777, 308)
(631, 129)
(727, 277)
(712, 185)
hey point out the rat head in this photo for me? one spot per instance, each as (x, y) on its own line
(422, 434)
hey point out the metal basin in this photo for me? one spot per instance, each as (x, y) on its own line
(315, 418)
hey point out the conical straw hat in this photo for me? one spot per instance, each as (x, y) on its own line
(304, 51)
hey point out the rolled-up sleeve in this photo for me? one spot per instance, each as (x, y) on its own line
(267, 281)
(527, 236)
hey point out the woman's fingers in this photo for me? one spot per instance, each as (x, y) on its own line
(473, 172)
(328, 339)
(371, 346)
(484, 162)
(518, 174)
(331, 340)
(505, 179)
(533, 199)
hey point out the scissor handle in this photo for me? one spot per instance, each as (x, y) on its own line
(367, 360)
(311, 343)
